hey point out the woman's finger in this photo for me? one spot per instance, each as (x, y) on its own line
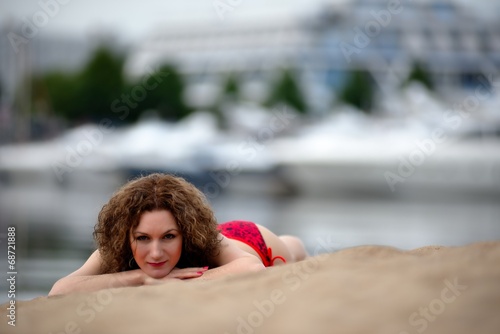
(187, 272)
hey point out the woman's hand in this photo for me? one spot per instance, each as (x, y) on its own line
(176, 273)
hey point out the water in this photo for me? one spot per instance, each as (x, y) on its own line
(348, 222)
(54, 222)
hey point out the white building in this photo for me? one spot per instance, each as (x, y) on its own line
(385, 38)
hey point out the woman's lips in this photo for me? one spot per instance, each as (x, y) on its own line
(157, 264)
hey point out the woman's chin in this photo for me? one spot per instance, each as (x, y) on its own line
(157, 274)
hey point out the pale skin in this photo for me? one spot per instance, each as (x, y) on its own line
(156, 246)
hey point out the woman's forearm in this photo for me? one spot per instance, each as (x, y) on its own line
(97, 282)
(242, 265)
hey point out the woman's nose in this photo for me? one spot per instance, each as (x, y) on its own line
(156, 250)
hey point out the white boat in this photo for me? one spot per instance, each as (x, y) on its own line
(389, 156)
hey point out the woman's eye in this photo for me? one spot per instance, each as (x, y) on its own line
(142, 238)
(169, 236)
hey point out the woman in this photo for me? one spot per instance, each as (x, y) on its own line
(160, 227)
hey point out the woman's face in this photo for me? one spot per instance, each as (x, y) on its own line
(156, 243)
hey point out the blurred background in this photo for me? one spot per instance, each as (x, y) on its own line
(345, 123)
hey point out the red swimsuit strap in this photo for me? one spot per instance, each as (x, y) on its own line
(270, 253)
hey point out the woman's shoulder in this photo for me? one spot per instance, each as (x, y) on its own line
(92, 266)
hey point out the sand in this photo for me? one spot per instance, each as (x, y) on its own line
(366, 289)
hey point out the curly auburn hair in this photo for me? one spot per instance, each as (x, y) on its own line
(121, 215)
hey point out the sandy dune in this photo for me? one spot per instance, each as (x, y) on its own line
(367, 289)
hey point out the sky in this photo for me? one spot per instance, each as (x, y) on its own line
(133, 20)
(139, 18)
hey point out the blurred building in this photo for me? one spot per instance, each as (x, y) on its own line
(22, 54)
(459, 50)
(385, 38)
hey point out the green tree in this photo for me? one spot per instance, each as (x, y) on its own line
(231, 87)
(86, 95)
(418, 73)
(358, 90)
(287, 91)
(57, 91)
(164, 94)
(99, 91)
(229, 96)
(98, 85)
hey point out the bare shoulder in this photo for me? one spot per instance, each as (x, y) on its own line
(91, 267)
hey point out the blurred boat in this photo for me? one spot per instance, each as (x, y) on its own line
(347, 153)
(350, 166)
(150, 145)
